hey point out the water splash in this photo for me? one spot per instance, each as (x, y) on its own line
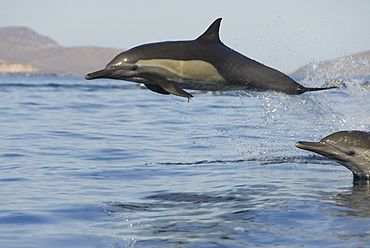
(351, 74)
(286, 117)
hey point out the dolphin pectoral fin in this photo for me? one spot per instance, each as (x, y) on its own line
(156, 88)
(166, 85)
(173, 88)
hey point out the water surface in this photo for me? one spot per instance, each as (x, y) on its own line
(107, 164)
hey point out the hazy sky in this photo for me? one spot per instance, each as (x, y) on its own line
(284, 34)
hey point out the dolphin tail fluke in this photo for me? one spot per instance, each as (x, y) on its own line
(317, 89)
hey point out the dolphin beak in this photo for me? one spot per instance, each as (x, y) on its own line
(310, 146)
(326, 150)
(88, 76)
(110, 72)
(99, 74)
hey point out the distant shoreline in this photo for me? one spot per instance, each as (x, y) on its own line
(24, 52)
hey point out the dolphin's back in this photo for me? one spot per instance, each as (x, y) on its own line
(358, 139)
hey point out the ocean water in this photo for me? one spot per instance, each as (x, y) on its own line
(108, 164)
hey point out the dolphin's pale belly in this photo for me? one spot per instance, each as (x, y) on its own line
(189, 74)
(196, 70)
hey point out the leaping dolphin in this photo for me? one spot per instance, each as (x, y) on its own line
(349, 148)
(201, 64)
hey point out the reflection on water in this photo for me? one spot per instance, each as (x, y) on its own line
(355, 202)
(263, 214)
(193, 218)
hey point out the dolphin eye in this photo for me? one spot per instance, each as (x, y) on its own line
(351, 152)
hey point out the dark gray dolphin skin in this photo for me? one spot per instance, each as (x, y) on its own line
(201, 64)
(349, 148)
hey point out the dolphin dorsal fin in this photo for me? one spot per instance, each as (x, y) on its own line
(212, 33)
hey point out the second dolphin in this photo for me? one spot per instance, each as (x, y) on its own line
(349, 148)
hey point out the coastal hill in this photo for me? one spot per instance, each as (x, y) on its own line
(352, 65)
(23, 51)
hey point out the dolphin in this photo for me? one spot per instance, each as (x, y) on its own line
(349, 148)
(201, 64)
